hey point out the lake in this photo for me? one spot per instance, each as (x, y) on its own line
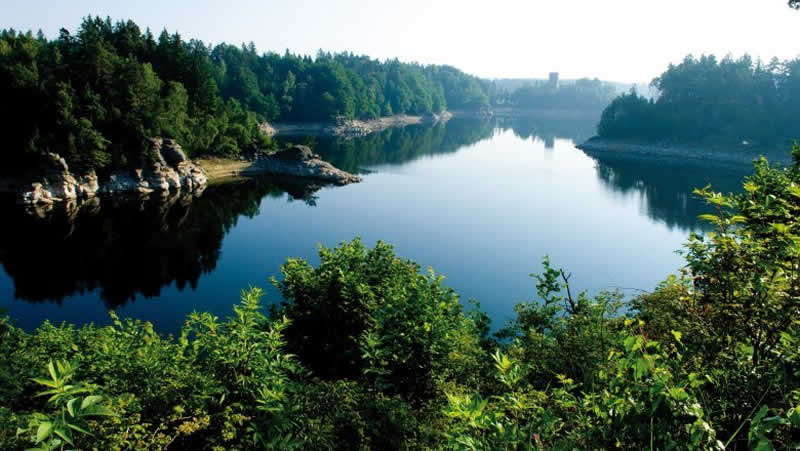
(479, 201)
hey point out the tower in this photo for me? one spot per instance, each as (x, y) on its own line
(553, 79)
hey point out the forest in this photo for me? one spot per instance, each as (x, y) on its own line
(367, 351)
(97, 95)
(706, 99)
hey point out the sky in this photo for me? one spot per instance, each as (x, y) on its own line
(615, 40)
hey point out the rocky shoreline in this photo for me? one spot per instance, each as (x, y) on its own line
(296, 161)
(739, 156)
(164, 169)
(350, 128)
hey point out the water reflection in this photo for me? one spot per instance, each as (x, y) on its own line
(128, 247)
(398, 145)
(665, 188)
(488, 202)
(576, 126)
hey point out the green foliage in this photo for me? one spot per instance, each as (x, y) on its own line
(703, 99)
(739, 299)
(559, 334)
(364, 313)
(97, 96)
(641, 401)
(71, 411)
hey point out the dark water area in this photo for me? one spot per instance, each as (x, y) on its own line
(479, 201)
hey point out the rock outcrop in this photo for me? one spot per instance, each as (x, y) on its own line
(267, 129)
(300, 161)
(58, 184)
(164, 167)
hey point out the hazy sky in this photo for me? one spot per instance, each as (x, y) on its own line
(622, 40)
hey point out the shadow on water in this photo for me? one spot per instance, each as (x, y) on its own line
(397, 146)
(134, 247)
(128, 247)
(666, 187)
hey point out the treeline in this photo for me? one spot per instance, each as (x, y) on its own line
(96, 96)
(365, 352)
(708, 99)
(582, 94)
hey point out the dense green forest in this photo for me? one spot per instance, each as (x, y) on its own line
(709, 99)
(96, 96)
(367, 352)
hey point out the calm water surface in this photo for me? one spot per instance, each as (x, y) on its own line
(480, 202)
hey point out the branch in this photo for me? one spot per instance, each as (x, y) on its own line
(566, 285)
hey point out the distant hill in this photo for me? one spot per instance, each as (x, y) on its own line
(512, 84)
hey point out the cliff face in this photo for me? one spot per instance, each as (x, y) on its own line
(165, 167)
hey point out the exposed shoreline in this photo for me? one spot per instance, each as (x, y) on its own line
(167, 171)
(54, 183)
(310, 167)
(730, 155)
(351, 127)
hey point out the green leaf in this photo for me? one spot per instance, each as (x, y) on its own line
(75, 427)
(45, 382)
(44, 431)
(90, 401)
(64, 434)
(52, 370)
(750, 187)
(710, 218)
(71, 406)
(794, 417)
(99, 411)
(628, 343)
